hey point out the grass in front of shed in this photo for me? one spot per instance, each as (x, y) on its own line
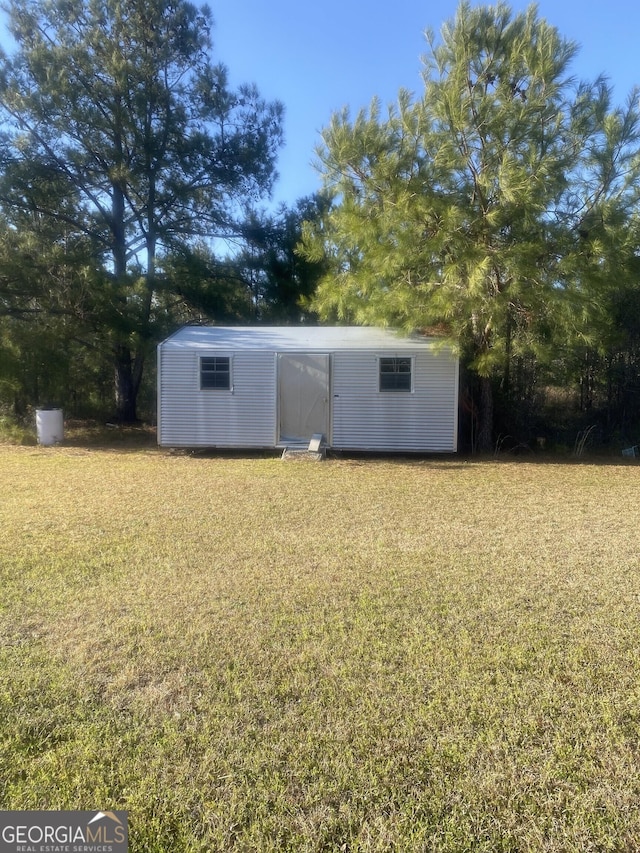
(364, 655)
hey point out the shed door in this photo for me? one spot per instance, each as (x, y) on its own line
(303, 387)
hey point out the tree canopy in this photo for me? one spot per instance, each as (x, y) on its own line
(496, 207)
(122, 145)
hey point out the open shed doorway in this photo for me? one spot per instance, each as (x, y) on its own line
(303, 396)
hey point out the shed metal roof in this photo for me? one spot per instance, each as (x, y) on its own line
(293, 338)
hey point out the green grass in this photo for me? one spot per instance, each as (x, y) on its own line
(358, 655)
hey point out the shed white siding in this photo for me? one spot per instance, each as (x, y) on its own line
(359, 415)
(365, 418)
(245, 416)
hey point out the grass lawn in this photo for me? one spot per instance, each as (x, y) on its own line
(358, 655)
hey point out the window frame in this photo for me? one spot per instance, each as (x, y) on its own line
(398, 389)
(228, 387)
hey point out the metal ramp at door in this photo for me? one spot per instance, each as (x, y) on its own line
(315, 450)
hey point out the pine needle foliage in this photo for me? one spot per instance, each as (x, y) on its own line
(120, 130)
(493, 205)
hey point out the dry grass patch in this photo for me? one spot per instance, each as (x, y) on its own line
(357, 655)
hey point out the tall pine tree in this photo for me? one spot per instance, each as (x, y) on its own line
(117, 124)
(485, 206)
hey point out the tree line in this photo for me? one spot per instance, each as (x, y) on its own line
(130, 181)
(497, 208)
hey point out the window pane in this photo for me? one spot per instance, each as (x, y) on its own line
(395, 374)
(215, 372)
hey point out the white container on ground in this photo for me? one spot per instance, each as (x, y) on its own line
(49, 426)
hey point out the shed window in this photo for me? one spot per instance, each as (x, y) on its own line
(215, 373)
(395, 374)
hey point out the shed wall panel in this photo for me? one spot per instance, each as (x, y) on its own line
(245, 416)
(365, 418)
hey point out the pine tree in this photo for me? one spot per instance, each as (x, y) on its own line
(482, 207)
(117, 123)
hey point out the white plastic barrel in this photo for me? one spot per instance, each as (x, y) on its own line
(49, 426)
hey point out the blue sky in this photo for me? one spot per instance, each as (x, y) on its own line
(318, 57)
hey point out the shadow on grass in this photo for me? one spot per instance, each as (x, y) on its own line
(112, 437)
(95, 436)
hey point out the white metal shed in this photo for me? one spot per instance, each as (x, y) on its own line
(271, 387)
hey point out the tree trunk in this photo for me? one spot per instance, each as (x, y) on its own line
(127, 384)
(485, 416)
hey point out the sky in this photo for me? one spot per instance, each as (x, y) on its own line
(317, 58)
